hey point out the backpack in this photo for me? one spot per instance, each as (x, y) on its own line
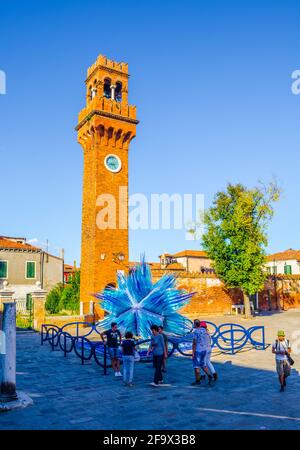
(289, 358)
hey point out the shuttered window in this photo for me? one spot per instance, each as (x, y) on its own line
(30, 269)
(3, 269)
(287, 269)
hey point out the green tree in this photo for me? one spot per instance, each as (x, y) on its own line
(65, 297)
(235, 236)
(53, 299)
(70, 296)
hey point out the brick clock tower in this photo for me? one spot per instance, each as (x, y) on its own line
(105, 128)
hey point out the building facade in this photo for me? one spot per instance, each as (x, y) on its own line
(188, 260)
(22, 265)
(284, 263)
(105, 128)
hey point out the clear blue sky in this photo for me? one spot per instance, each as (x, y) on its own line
(212, 84)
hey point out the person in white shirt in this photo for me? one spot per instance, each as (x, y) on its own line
(281, 349)
(199, 350)
(208, 362)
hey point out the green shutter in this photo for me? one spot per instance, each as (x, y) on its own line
(287, 270)
(30, 271)
(3, 269)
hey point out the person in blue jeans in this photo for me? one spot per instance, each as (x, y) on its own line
(200, 340)
(127, 346)
(158, 349)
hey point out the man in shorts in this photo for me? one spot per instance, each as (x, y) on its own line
(199, 353)
(113, 340)
(281, 348)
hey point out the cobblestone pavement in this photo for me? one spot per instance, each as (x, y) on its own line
(70, 396)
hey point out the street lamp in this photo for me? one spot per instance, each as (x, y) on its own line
(118, 257)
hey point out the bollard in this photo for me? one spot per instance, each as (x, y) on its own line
(8, 360)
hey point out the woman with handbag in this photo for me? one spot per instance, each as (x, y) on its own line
(281, 348)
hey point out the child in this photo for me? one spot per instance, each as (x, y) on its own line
(128, 358)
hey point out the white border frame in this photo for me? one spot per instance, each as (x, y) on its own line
(30, 278)
(108, 168)
(5, 260)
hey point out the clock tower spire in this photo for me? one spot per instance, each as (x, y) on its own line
(105, 128)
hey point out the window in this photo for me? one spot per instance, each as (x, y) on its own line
(274, 270)
(287, 269)
(3, 269)
(28, 302)
(118, 92)
(107, 88)
(30, 269)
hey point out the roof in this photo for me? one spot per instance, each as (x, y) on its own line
(69, 267)
(285, 255)
(6, 243)
(157, 266)
(136, 263)
(175, 266)
(193, 253)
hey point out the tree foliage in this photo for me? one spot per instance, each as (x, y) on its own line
(236, 234)
(53, 299)
(65, 298)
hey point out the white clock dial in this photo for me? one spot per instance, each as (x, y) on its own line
(113, 163)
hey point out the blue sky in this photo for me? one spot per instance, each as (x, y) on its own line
(212, 85)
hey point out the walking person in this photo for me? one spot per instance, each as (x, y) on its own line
(281, 348)
(158, 349)
(113, 340)
(199, 351)
(208, 362)
(128, 346)
(164, 364)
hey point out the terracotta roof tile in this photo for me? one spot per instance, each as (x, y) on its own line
(10, 244)
(175, 266)
(194, 253)
(286, 255)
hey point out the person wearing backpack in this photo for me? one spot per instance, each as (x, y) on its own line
(281, 349)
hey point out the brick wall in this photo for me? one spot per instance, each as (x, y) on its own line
(211, 296)
(283, 291)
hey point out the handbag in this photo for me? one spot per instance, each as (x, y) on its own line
(290, 359)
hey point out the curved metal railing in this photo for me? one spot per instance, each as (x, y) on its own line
(84, 339)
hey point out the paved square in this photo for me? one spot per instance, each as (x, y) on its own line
(68, 395)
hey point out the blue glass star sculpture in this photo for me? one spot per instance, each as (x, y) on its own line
(137, 303)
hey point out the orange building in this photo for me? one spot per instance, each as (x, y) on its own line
(105, 128)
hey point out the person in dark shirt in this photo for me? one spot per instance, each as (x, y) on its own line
(164, 364)
(128, 358)
(158, 349)
(113, 340)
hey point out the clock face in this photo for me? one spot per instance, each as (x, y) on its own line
(113, 163)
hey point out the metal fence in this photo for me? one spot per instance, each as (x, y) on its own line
(85, 341)
(24, 312)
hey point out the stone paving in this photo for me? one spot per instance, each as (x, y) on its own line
(68, 395)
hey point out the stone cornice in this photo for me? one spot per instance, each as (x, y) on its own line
(19, 250)
(107, 69)
(106, 114)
